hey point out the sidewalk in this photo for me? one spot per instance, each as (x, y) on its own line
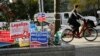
(86, 48)
(84, 43)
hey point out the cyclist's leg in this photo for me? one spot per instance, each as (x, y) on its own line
(77, 32)
(76, 29)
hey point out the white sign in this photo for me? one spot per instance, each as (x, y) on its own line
(20, 29)
(2, 24)
(43, 15)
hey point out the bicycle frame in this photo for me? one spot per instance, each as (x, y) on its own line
(84, 27)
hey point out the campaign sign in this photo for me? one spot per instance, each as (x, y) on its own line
(5, 36)
(39, 39)
(23, 42)
(20, 29)
(41, 17)
(33, 27)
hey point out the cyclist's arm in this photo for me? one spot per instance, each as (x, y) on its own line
(80, 16)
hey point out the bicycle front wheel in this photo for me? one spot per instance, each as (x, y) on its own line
(90, 34)
(67, 36)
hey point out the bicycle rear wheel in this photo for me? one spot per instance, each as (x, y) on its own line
(90, 34)
(67, 36)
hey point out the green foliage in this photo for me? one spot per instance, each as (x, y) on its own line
(19, 9)
(81, 4)
(84, 4)
(48, 5)
(32, 7)
(91, 2)
(30, 2)
(24, 9)
(3, 17)
(88, 7)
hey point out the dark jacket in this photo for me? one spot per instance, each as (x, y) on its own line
(73, 19)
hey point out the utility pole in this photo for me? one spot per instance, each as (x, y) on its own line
(41, 9)
(41, 6)
(39, 2)
(57, 16)
(98, 4)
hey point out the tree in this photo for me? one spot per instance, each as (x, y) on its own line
(19, 9)
(90, 4)
(81, 4)
(24, 9)
(32, 7)
(84, 4)
(48, 5)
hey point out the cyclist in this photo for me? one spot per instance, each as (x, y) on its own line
(73, 19)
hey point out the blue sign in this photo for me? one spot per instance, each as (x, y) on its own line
(41, 37)
(41, 15)
(33, 27)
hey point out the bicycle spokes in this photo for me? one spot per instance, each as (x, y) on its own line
(67, 35)
(90, 34)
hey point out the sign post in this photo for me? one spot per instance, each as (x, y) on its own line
(41, 18)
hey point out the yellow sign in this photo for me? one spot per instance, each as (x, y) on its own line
(24, 42)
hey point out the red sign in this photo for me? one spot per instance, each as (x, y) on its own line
(5, 36)
(35, 45)
(41, 17)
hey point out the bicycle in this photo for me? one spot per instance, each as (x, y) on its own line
(90, 34)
